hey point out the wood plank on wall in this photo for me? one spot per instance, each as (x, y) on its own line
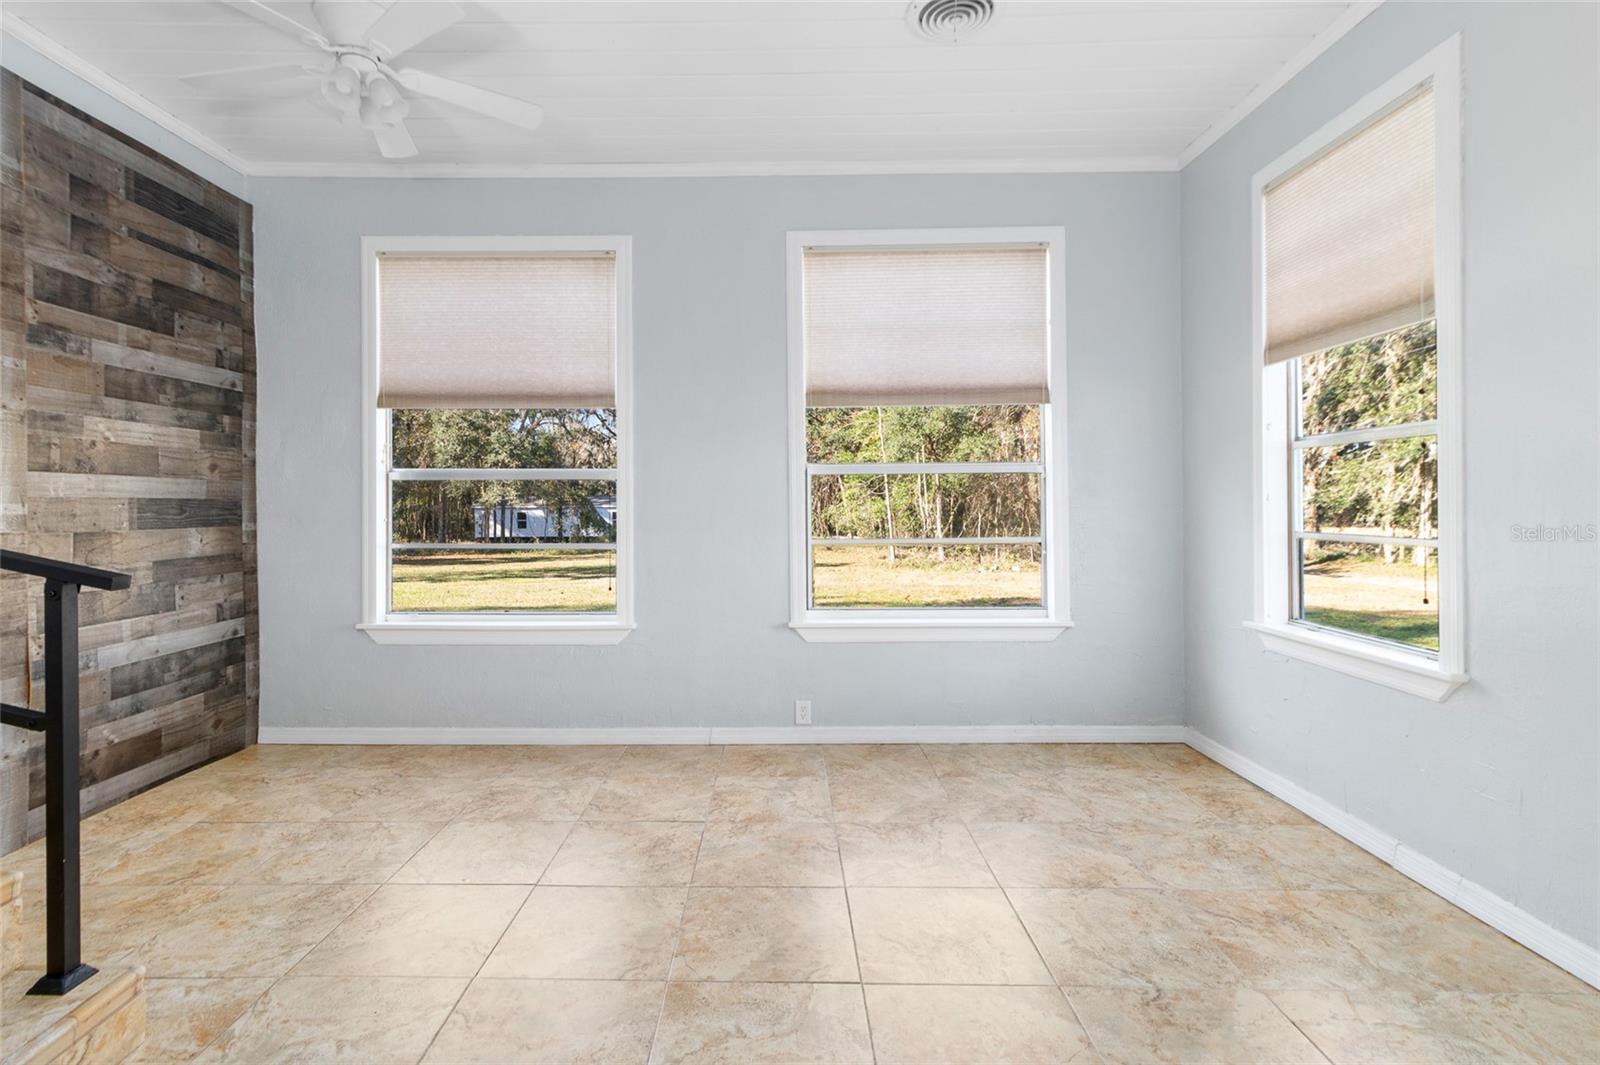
(127, 423)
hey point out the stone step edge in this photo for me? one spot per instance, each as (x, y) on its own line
(10, 921)
(67, 1038)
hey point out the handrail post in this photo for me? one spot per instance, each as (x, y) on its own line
(64, 948)
(59, 723)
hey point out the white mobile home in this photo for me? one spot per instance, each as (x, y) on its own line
(535, 520)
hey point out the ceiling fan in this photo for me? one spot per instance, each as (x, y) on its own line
(357, 81)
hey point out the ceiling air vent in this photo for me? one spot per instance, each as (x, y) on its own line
(950, 21)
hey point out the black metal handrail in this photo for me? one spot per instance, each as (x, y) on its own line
(59, 723)
(51, 569)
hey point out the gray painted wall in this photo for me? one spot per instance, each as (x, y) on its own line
(1499, 782)
(712, 647)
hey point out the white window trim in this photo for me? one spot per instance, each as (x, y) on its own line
(949, 624)
(376, 621)
(1427, 676)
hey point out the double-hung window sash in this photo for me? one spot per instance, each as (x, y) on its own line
(522, 331)
(944, 325)
(1349, 249)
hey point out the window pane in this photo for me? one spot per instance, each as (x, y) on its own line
(917, 505)
(1385, 380)
(1387, 486)
(1382, 591)
(491, 581)
(504, 439)
(922, 434)
(909, 577)
(470, 577)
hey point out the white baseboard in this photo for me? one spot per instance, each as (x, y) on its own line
(483, 736)
(1576, 957)
(952, 734)
(778, 734)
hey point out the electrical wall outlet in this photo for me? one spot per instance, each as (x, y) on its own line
(802, 711)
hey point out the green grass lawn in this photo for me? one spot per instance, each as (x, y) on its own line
(1418, 630)
(864, 577)
(582, 582)
(569, 582)
(1357, 595)
(1371, 598)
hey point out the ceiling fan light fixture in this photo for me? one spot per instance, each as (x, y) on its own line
(345, 79)
(341, 87)
(338, 98)
(383, 107)
(381, 91)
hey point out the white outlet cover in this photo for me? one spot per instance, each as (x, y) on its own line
(802, 711)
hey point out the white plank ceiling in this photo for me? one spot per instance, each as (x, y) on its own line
(733, 85)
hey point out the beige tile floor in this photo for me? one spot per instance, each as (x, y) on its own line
(800, 904)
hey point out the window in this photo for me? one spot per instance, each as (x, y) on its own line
(497, 504)
(1364, 557)
(923, 457)
(1358, 342)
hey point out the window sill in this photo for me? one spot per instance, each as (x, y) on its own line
(495, 632)
(929, 630)
(1396, 669)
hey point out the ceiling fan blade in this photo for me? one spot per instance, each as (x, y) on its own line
(285, 78)
(407, 25)
(394, 141)
(494, 104)
(346, 21)
(302, 23)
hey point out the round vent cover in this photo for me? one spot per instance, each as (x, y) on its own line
(949, 20)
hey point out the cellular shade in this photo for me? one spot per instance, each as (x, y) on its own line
(536, 331)
(926, 327)
(1349, 237)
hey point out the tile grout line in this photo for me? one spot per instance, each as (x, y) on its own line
(336, 926)
(938, 779)
(276, 980)
(604, 780)
(967, 827)
(1071, 1006)
(849, 912)
(677, 940)
(538, 881)
(233, 1023)
(1012, 906)
(412, 856)
(498, 940)
(471, 979)
(1296, 1026)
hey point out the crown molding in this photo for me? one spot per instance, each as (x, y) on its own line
(92, 75)
(1132, 164)
(1348, 20)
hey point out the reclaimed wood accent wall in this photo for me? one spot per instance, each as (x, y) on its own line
(127, 440)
